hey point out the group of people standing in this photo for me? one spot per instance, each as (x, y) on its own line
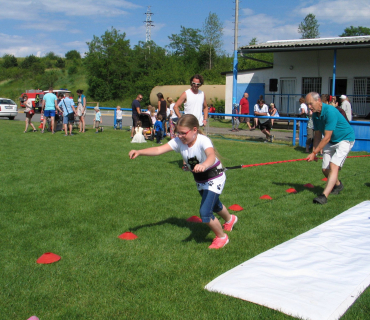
(168, 111)
(51, 105)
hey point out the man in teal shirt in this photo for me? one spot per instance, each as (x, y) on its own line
(49, 104)
(337, 142)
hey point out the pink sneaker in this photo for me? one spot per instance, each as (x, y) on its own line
(228, 226)
(218, 243)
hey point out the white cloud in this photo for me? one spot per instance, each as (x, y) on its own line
(24, 46)
(260, 26)
(267, 27)
(347, 12)
(42, 25)
(25, 10)
(246, 12)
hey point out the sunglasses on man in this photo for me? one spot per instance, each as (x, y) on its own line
(196, 84)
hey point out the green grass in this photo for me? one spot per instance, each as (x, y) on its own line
(74, 195)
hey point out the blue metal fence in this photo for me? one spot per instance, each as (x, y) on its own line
(288, 103)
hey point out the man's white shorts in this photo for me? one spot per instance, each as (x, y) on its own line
(336, 153)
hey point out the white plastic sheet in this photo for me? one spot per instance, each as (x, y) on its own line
(317, 275)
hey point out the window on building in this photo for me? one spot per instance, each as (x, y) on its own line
(311, 85)
(361, 88)
(361, 95)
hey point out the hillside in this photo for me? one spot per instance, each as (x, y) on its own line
(13, 87)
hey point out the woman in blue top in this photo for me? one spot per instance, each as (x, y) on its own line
(81, 109)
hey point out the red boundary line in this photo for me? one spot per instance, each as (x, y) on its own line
(283, 161)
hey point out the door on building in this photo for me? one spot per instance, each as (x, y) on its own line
(288, 99)
(340, 87)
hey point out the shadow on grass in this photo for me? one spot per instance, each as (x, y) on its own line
(178, 162)
(301, 150)
(300, 187)
(199, 231)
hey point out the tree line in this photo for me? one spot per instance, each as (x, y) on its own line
(40, 72)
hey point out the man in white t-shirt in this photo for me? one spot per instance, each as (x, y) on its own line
(346, 106)
(194, 101)
(261, 109)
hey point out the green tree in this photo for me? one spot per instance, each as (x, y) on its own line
(46, 80)
(309, 27)
(72, 70)
(73, 55)
(186, 45)
(355, 31)
(29, 61)
(251, 60)
(33, 64)
(151, 66)
(212, 31)
(108, 65)
(9, 61)
(60, 63)
(51, 56)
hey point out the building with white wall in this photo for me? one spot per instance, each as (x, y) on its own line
(305, 65)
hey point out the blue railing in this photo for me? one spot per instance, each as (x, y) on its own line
(265, 117)
(287, 103)
(107, 108)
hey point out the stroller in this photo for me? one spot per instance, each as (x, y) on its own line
(147, 125)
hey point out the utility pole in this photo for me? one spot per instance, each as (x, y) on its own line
(235, 64)
(149, 24)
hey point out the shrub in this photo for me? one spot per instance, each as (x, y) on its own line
(60, 63)
(72, 70)
(73, 55)
(9, 61)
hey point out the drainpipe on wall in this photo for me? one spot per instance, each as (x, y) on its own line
(235, 63)
(334, 72)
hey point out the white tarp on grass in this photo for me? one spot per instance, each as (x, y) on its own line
(317, 275)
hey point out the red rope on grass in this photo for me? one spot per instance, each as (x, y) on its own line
(365, 155)
(266, 163)
(283, 161)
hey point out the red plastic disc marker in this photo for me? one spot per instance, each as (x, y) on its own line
(128, 236)
(266, 197)
(236, 207)
(194, 219)
(48, 257)
(308, 185)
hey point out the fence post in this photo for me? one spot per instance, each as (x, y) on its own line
(303, 133)
(294, 131)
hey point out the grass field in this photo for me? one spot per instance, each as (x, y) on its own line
(74, 195)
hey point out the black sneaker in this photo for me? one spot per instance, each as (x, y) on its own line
(321, 199)
(337, 189)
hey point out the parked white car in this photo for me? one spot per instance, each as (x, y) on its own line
(8, 108)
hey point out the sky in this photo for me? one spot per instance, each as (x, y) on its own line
(40, 26)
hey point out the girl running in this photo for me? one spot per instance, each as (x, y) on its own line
(199, 155)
